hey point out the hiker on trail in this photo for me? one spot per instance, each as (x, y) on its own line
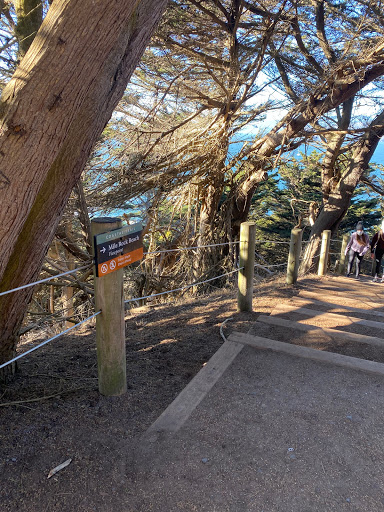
(357, 246)
(377, 251)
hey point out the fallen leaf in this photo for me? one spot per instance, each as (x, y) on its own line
(59, 468)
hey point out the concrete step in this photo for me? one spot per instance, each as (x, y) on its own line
(333, 298)
(332, 333)
(177, 413)
(320, 303)
(316, 315)
(346, 287)
(259, 342)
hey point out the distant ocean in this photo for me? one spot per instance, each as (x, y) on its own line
(378, 156)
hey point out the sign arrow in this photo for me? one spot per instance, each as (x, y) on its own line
(118, 248)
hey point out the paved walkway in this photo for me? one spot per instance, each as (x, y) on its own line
(287, 418)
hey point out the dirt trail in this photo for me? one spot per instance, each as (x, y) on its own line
(61, 416)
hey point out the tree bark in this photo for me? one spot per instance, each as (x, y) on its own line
(241, 202)
(83, 216)
(339, 200)
(329, 95)
(51, 113)
(334, 143)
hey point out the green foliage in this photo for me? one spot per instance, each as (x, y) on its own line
(287, 193)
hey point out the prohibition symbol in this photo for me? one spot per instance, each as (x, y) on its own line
(118, 248)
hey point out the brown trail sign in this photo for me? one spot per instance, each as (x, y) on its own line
(118, 248)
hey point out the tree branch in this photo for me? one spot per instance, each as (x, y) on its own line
(320, 30)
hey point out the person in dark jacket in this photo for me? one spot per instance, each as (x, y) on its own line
(377, 251)
(357, 246)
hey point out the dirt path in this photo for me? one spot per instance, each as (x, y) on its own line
(166, 347)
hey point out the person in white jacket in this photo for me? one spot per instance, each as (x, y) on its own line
(357, 246)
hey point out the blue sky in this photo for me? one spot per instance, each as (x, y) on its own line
(378, 157)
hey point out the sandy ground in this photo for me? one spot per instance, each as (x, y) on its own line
(277, 433)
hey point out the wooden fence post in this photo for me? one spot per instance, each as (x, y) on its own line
(246, 260)
(294, 255)
(324, 252)
(110, 325)
(342, 254)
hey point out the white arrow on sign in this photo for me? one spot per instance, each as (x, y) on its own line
(103, 250)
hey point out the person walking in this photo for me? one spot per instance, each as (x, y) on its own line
(357, 246)
(377, 251)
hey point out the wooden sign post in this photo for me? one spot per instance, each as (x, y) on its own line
(110, 325)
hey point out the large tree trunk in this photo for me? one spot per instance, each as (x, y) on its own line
(207, 258)
(339, 199)
(51, 114)
(241, 202)
(330, 94)
(329, 172)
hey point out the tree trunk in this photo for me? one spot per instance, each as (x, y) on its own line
(83, 216)
(204, 265)
(241, 202)
(67, 294)
(329, 173)
(339, 199)
(51, 114)
(263, 151)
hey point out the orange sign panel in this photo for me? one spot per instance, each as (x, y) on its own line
(119, 262)
(118, 248)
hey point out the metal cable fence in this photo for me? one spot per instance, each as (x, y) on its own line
(264, 266)
(63, 310)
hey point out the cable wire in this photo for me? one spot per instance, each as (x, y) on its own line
(211, 245)
(182, 288)
(44, 280)
(187, 248)
(270, 266)
(272, 242)
(47, 341)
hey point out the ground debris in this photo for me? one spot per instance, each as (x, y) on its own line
(59, 468)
